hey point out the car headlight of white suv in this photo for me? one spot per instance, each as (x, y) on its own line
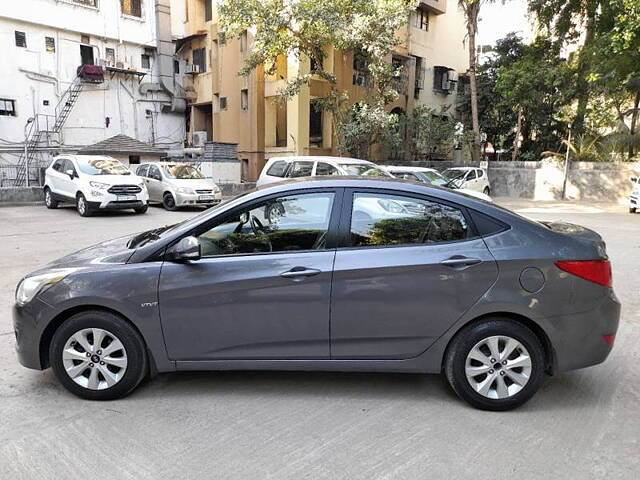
(99, 185)
(30, 286)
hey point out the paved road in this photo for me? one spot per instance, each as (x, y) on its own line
(584, 424)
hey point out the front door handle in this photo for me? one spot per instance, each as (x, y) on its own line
(458, 262)
(298, 272)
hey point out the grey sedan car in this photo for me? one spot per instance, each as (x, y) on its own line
(333, 274)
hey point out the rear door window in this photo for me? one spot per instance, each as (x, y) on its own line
(58, 165)
(142, 170)
(300, 169)
(379, 220)
(326, 169)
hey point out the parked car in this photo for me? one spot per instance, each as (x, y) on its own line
(432, 176)
(347, 274)
(278, 169)
(93, 183)
(634, 196)
(176, 185)
(470, 178)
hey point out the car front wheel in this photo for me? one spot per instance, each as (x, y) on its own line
(168, 202)
(632, 210)
(486, 190)
(496, 364)
(48, 199)
(98, 356)
(82, 206)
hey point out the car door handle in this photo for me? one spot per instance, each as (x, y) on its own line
(298, 272)
(460, 262)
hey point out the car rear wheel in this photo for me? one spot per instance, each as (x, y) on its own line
(632, 210)
(82, 206)
(486, 190)
(48, 199)
(496, 364)
(168, 202)
(98, 356)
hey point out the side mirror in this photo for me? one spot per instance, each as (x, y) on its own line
(186, 249)
(71, 173)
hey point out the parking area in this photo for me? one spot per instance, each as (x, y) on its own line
(282, 425)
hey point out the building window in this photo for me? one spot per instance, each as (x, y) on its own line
(90, 3)
(315, 124)
(243, 42)
(21, 39)
(134, 159)
(131, 7)
(223, 103)
(244, 99)
(422, 19)
(361, 75)
(50, 44)
(176, 67)
(110, 56)
(420, 75)
(145, 61)
(208, 14)
(200, 59)
(7, 107)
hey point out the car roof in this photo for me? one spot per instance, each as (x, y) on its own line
(396, 168)
(85, 157)
(320, 158)
(464, 168)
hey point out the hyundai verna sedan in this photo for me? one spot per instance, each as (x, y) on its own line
(333, 274)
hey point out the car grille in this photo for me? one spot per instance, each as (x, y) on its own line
(204, 192)
(124, 189)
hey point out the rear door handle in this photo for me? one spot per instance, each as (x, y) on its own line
(299, 272)
(460, 262)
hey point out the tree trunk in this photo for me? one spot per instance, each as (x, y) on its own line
(516, 142)
(584, 65)
(634, 122)
(472, 26)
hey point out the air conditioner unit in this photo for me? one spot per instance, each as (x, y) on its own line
(449, 80)
(198, 139)
(103, 62)
(189, 68)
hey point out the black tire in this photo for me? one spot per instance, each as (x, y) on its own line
(168, 202)
(82, 206)
(49, 202)
(632, 210)
(470, 336)
(141, 209)
(486, 191)
(134, 346)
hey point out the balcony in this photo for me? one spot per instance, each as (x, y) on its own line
(438, 7)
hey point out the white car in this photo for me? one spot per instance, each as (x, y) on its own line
(281, 168)
(93, 183)
(177, 185)
(432, 176)
(471, 178)
(634, 197)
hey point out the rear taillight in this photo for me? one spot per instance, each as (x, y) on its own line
(610, 339)
(597, 271)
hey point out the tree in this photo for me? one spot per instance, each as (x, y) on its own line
(430, 132)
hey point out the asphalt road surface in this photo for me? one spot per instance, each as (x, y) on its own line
(580, 425)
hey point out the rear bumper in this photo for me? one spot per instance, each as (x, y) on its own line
(184, 199)
(579, 339)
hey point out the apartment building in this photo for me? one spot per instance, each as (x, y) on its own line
(47, 100)
(245, 110)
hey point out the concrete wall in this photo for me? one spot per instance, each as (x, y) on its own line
(598, 181)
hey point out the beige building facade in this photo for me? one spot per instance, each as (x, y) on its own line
(226, 107)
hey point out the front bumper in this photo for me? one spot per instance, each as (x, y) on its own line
(579, 339)
(103, 200)
(28, 328)
(187, 199)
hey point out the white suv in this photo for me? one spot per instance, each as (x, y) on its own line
(634, 197)
(281, 168)
(93, 183)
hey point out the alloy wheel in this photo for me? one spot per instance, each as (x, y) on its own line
(82, 206)
(47, 198)
(498, 367)
(94, 358)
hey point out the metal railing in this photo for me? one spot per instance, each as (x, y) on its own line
(9, 175)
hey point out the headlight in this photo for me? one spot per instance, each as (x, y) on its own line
(216, 189)
(30, 286)
(188, 191)
(101, 186)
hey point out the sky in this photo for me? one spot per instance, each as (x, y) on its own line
(498, 18)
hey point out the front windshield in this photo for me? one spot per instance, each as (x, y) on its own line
(182, 172)
(454, 174)
(363, 170)
(434, 178)
(103, 166)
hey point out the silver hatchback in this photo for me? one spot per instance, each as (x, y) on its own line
(176, 185)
